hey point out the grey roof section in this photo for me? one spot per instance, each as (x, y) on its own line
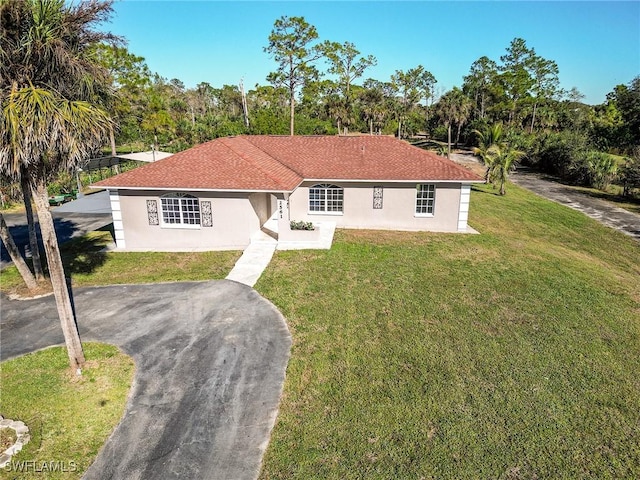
(110, 160)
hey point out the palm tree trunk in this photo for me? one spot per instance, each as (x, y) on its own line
(371, 126)
(503, 177)
(112, 140)
(16, 258)
(33, 238)
(449, 141)
(58, 280)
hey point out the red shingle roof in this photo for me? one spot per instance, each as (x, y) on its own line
(280, 163)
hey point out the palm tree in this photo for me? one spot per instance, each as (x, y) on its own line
(496, 154)
(462, 115)
(372, 107)
(49, 89)
(487, 138)
(45, 133)
(453, 107)
(504, 159)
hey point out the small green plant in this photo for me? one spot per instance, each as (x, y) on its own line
(301, 225)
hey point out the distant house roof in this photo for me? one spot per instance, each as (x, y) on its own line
(148, 156)
(281, 163)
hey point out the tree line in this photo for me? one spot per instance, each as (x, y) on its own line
(321, 87)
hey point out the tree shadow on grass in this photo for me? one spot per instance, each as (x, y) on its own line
(85, 254)
(67, 229)
(483, 188)
(81, 255)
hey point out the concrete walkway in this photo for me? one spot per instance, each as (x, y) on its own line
(210, 364)
(258, 254)
(254, 259)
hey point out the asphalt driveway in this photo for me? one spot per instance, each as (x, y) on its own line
(210, 363)
(603, 211)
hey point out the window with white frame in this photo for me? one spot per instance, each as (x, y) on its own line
(180, 209)
(326, 198)
(425, 199)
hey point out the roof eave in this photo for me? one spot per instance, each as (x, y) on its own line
(174, 189)
(409, 180)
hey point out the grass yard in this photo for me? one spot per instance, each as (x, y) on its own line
(69, 417)
(512, 354)
(88, 265)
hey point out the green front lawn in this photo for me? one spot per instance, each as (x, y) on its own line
(69, 417)
(510, 354)
(88, 264)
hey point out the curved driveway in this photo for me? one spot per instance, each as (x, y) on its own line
(210, 364)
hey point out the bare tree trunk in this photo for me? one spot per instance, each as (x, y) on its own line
(292, 108)
(16, 258)
(33, 238)
(533, 118)
(58, 280)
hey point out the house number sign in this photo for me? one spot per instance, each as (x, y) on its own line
(282, 206)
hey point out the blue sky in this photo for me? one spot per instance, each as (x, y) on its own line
(595, 44)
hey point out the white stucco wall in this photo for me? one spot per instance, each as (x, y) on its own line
(234, 221)
(398, 207)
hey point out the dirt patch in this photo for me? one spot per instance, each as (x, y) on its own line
(21, 292)
(470, 161)
(8, 437)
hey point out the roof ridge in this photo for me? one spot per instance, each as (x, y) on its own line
(291, 169)
(248, 160)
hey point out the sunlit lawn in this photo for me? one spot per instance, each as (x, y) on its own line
(510, 354)
(89, 265)
(69, 417)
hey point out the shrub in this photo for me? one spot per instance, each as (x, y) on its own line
(602, 169)
(301, 225)
(630, 175)
(562, 154)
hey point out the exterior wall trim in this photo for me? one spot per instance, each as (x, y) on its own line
(463, 212)
(116, 212)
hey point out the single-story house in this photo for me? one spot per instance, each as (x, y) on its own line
(216, 195)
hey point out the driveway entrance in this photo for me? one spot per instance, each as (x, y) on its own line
(210, 363)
